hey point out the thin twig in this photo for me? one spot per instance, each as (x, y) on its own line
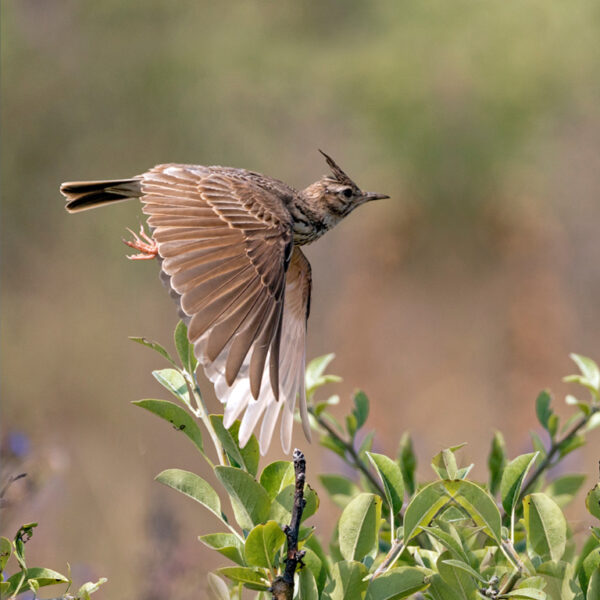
(391, 557)
(554, 449)
(349, 448)
(283, 586)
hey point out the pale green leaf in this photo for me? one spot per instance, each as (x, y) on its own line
(496, 462)
(227, 544)
(512, 479)
(249, 500)
(154, 346)
(592, 501)
(246, 458)
(217, 588)
(347, 581)
(423, 507)
(526, 593)
(253, 579)
(277, 476)
(359, 526)
(479, 505)
(546, 527)
(185, 349)
(391, 476)
(42, 577)
(262, 543)
(192, 486)
(408, 463)
(172, 380)
(177, 416)
(5, 552)
(397, 583)
(307, 585)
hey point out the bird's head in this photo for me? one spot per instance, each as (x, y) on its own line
(337, 193)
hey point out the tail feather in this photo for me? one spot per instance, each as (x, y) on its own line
(83, 195)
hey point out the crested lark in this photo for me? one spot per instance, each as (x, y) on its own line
(228, 241)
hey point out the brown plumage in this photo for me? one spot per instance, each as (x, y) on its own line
(228, 242)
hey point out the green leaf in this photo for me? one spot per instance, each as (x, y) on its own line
(391, 476)
(177, 416)
(564, 488)
(545, 526)
(459, 576)
(217, 588)
(185, 350)
(527, 593)
(154, 346)
(593, 590)
(359, 526)
(479, 505)
(592, 501)
(439, 590)
(5, 552)
(340, 489)
(496, 462)
(227, 544)
(246, 458)
(448, 541)
(589, 370)
(444, 463)
(423, 508)
(89, 588)
(361, 408)
(252, 579)
(571, 444)
(463, 566)
(542, 408)
(397, 583)
(408, 462)
(512, 480)
(347, 581)
(314, 374)
(41, 576)
(173, 380)
(277, 476)
(589, 566)
(307, 586)
(249, 500)
(192, 486)
(281, 508)
(262, 543)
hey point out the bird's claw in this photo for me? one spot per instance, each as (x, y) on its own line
(148, 248)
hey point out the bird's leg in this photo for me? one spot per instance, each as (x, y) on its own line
(144, 243)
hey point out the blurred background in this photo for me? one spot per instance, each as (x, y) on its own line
(452, 304)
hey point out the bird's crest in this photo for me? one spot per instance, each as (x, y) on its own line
(338, 175)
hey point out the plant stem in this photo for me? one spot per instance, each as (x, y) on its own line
(350, 451)
(510, 553)
(201, 412)
(283, 586)
(390, 558)
(554, 449)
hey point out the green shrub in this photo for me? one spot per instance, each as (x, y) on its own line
(445, 539)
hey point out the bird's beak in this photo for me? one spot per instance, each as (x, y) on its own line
(373, 196)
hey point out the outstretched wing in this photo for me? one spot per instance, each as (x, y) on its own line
(225, 244)
(293, 365)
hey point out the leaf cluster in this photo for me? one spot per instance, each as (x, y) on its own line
(397, 536)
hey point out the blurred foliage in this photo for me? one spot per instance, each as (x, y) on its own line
(449, 540)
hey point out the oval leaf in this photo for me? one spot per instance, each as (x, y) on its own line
(217, 588)
(479, 505)
(423, 507)
(359, 525)
(172, 380)
(42, 577)
(397, 583)
(391, 476)
(347, 581)
(262, 543)
(546, 527)
(252, 579)
(192, 486)
(307, 586)
(277, 476)
(512, 479)
(249, 500)
(227, 544)
(177, 416)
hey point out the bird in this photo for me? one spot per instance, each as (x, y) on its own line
(228, 241)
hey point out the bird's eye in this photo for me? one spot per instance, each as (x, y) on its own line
(347, 192)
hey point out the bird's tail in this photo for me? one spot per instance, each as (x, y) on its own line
(83, 195)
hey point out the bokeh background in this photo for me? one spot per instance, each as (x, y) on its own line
(451, 304)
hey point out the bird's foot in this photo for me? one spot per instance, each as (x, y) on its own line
(148, 248)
